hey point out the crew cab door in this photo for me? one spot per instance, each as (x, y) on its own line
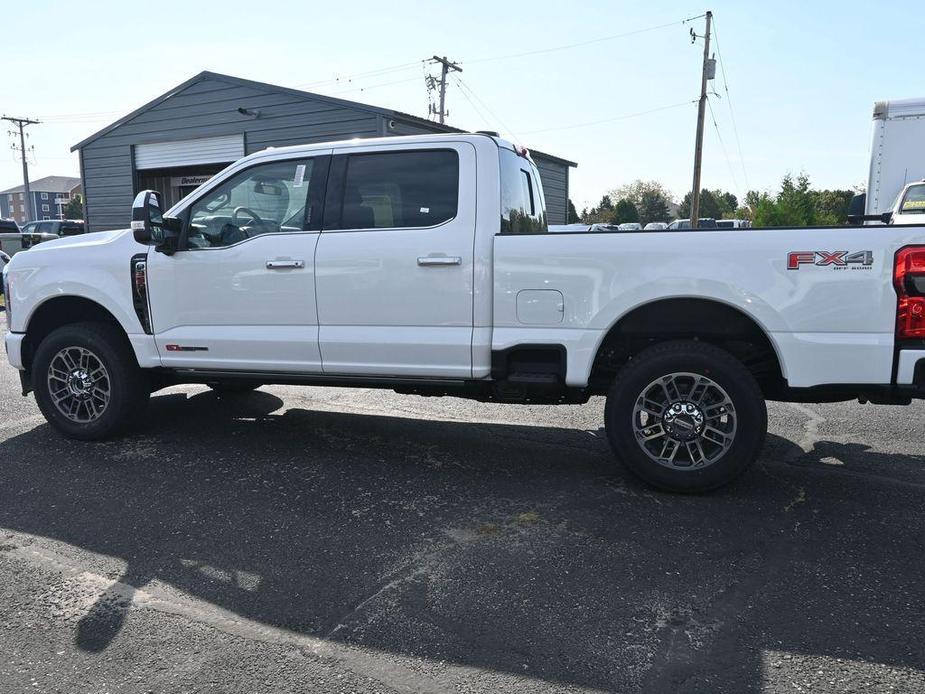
(394, 264)
(240, 294)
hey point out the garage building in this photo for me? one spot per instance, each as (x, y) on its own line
(177, 141)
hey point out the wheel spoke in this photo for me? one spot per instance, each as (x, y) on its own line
(684, 420)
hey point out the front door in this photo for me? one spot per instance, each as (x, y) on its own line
(394, 265)
(240, 294)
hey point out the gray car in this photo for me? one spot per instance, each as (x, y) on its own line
(10, 237)
(36, 232)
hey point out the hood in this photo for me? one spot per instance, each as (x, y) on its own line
(95, 238)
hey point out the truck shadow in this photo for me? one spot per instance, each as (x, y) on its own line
(520, 549)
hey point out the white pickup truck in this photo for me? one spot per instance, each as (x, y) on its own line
(423, 264)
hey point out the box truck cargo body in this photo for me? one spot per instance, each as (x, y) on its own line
(897, 154)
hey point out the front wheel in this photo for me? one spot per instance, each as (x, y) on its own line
(686, 416)
(87, 382)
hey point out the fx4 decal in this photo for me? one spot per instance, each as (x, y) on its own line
(837, 260)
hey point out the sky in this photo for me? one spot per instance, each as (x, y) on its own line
(610, 85)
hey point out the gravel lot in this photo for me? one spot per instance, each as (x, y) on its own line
(332, 540)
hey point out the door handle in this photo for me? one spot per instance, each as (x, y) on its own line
(440, 260)
(285, 264)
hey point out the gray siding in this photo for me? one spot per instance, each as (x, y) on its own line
(208, 106)
(204, 109)
(555, 188)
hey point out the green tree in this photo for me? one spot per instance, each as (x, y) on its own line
(653, 207)
(709, 206)
(832, 205)
(74, 208)
(624, 212)
(795, 205)
(572, 214)
(727, 203)
(650, 198)
(602, 214)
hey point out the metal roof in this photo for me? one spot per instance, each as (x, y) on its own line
(49, 184)
(206, 74)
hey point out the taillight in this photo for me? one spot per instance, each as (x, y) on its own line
(909, 281)
(140, 291)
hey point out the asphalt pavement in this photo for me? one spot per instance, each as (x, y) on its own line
(336, 540)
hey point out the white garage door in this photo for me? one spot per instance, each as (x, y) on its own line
(206, 150)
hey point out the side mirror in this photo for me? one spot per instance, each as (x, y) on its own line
(149, 225)
(887, 218)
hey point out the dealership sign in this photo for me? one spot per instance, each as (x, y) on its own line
(186, 181)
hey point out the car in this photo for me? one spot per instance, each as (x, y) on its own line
(703, 223)
(10, 237)
(423, 264)
(34, 233)
(4, 260)
(655, 226)
(909, 207)
(569, 228)
(732, 224)
(630, 226)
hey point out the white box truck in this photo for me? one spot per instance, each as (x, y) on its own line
(897, 153)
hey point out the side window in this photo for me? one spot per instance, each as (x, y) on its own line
(268, 198)
(45, 228)
(914, 202)
(523, 209)
(400, 189)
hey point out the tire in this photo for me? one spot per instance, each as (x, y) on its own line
(128, 388)
(231, 388)
(710, 429)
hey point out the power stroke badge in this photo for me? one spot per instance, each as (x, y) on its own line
(836, 260)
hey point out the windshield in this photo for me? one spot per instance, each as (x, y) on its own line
(914, 201)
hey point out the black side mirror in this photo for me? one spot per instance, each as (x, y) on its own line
(149, 225)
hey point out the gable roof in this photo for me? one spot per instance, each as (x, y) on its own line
(49, 184)
(238, 81)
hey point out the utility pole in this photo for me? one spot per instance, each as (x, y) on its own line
(21, 123)
(446, 67)
(708, 72)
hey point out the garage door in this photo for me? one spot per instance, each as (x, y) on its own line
(206, 150)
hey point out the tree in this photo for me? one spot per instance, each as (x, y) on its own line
(832, 205)
(794, 206)
(572, 214)
(650, 198)
(624, 212)
(727, 203)
(709, 206)
(602, 214)
(74, 208)
(653, 207)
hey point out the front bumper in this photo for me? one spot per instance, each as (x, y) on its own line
(14, 349)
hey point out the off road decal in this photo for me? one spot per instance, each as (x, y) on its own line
(836, 260)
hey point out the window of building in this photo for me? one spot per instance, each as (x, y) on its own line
(400, 189)
(46, 217)
(44, 196)
(44, 208)
(21, 197)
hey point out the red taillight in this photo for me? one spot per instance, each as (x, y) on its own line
(909, 281)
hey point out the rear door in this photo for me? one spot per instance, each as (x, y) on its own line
(394, 264)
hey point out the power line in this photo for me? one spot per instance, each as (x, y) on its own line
(466, 87)
(21, 124)
(378, 72)
(613, 119)
(732, 116)
(578, 44)
(485, 120)
(722, 145)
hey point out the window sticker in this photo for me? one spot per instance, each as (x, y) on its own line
(425, 210)
(299, 176)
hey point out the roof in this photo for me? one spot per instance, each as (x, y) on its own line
(49, 184)
(206, 74)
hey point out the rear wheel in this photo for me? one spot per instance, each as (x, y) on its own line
(87, 382)
(686, 416)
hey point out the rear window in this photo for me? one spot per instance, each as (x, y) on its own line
(400, 189)
(914, 202)
(523, 208)
(725, 224)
